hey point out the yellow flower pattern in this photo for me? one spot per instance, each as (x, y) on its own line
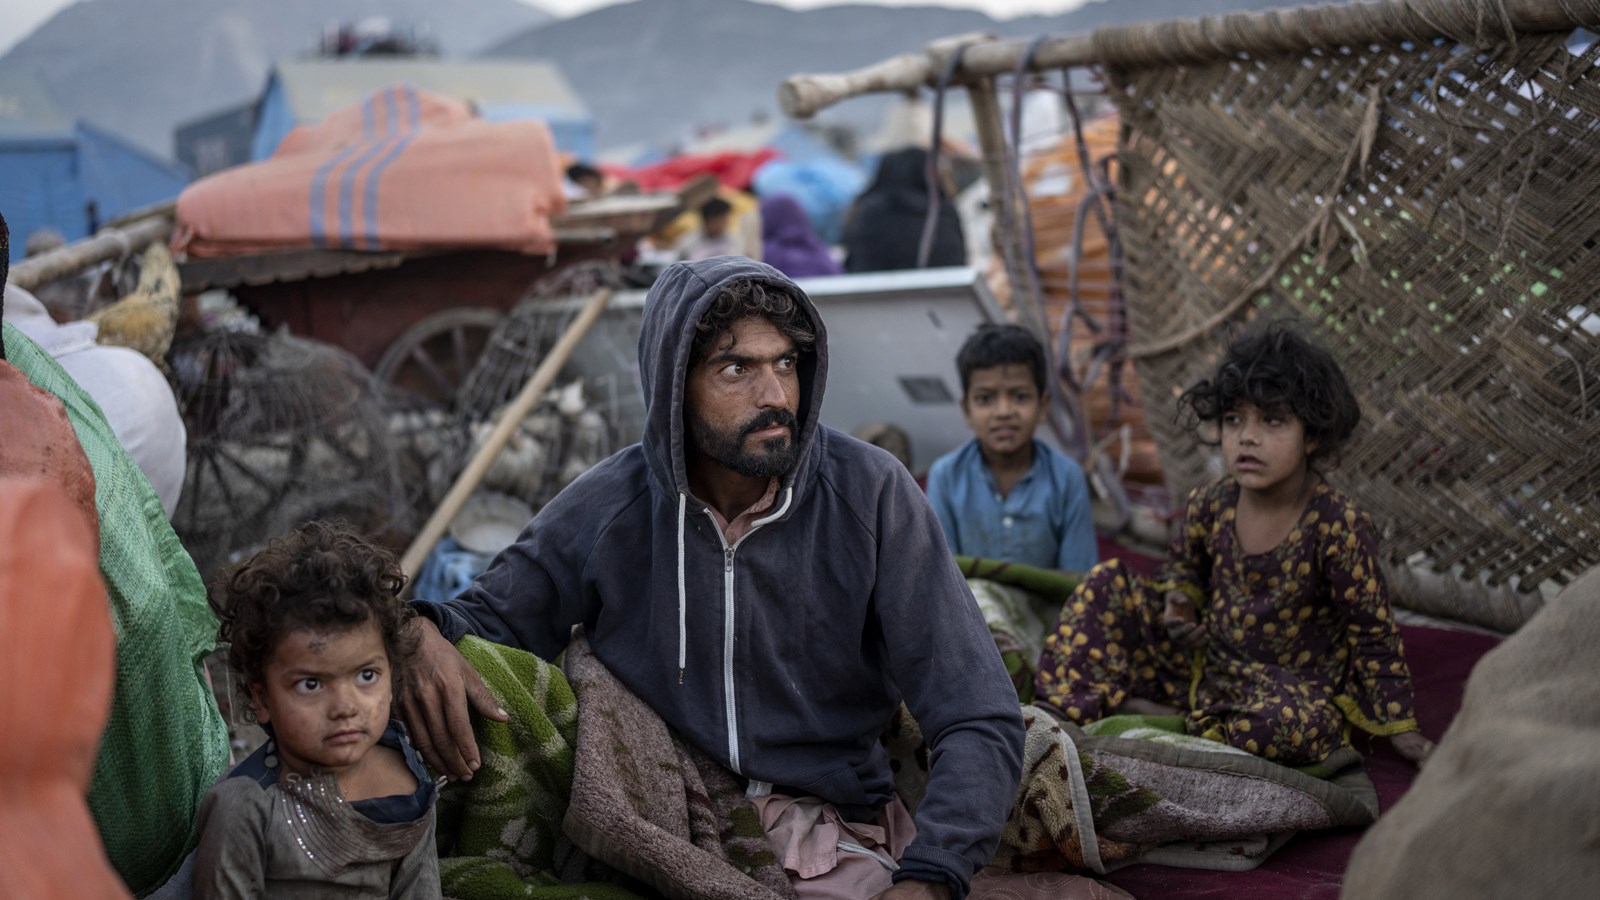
(1300, 641)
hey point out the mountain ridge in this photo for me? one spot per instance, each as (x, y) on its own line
(649, 71)
(139, 67)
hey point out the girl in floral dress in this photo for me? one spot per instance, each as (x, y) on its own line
(1270, 627)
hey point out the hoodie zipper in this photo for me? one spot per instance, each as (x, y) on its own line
(730, 705)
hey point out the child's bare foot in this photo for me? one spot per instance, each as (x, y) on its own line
(1413, 746)
(1139, 706)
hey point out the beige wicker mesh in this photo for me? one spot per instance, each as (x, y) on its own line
(1428, 207)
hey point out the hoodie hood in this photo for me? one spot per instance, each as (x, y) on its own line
(672, 310)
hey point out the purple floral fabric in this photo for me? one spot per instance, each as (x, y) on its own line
(1300, 645)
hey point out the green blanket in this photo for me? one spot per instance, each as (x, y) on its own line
(586, 793)
(1170, 730)
(1052, 585)
(165, 743)
(500, 833)
(1020, 605)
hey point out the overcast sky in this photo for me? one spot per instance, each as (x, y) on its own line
(18, 17)
(1002, 9)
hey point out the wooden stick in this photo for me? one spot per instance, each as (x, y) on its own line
(803, 96)
(107, 244)
(510, 418)
(990, 126)
(166, 208)
(1181, 40)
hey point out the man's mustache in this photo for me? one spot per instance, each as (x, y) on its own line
(768, 419)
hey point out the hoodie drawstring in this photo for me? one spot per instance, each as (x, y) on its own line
(788, 497)
(683, 644)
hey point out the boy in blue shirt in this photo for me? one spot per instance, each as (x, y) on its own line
(1004, 495)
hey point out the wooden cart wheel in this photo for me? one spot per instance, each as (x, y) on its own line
(244, 457)
(426, 368)
(431, 360)
(245, 478)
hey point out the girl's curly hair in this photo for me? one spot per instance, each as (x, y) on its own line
(321, 576)
(1277, 370)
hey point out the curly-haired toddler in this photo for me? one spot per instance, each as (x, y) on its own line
(336, 803)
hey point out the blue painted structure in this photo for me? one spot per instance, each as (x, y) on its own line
(274, 120)
(52, 168)
(216, 141)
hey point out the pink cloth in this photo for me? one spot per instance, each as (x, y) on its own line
(807, 833)
(743, 522)
(57, 661)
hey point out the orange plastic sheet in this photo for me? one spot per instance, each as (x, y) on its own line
(40, 443)
(57, 659)
(404, 169)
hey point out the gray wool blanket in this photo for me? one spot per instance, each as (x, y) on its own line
(1137, 793)
(647, 804)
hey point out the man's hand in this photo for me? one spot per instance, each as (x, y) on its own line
(912, 889)
(438, 687)
(1413, 746)
(1181, 620)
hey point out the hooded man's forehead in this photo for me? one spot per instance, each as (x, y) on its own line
(727, 338)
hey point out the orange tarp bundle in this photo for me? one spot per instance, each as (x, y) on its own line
(402, 170)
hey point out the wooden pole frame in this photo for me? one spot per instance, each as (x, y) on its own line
(1196, 40)
(505, 426)
(106, 244)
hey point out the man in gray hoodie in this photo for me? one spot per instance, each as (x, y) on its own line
(772, 588)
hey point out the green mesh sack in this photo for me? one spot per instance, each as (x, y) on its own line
(165, 742)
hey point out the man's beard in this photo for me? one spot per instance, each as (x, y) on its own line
(777, 456)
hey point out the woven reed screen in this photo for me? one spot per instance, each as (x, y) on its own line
(1429, 209)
